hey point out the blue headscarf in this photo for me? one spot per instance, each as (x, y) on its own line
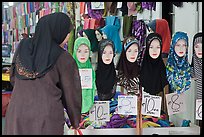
(178, 68)
(112, 33)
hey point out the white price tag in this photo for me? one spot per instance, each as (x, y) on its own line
(199, 109)
(86, 78)
(97, 5)
(100, 111)
(127, 105)
(151, 105)
(175, 103)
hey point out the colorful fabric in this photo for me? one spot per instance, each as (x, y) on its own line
(177, 68)
(139, 32)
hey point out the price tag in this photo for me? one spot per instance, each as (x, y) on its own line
(86, 78)
(199, 109)
(151, 105)
(100, 111)
(175, 103)
(97, 5)
(127, 105)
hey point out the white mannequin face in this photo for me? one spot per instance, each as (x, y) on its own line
(180, 47)
(83, 53)
(98, 35)
(132, 53)
(107, 55)
(154, 49)
(198, 50)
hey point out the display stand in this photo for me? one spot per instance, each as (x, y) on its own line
(139, 114)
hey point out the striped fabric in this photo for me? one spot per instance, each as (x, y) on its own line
(196, 71)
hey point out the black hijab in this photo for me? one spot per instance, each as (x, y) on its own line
(128, 72)
(36, 56)
(105, 74)
(153, 71)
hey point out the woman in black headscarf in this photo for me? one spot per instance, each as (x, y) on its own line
(153, 71)
(105, 73)
(45, 80)
(128, 72)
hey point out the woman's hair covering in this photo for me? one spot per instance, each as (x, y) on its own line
(105, 74)
(37, 55)
(153, 71)
(87, 94)
(178, 68)
(196, 66)
(128, 72)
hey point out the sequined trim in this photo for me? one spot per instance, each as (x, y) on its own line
(23, 71)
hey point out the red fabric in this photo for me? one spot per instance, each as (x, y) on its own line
(5, 101)
(82, 8)
(162, 28)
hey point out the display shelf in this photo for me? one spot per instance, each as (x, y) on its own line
(192, 130)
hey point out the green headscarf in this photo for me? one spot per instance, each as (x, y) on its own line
(87, 94)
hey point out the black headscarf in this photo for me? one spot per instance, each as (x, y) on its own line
(128, 72)
(153, 71)
(36, 56)
(92, 37)
(105, 74)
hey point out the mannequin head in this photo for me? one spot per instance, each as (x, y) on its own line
(107, 55)
(180, 47)
(154, 49)
(98, 35)
(197, 42)
(83, 53)
(132, 52)
(131, 48)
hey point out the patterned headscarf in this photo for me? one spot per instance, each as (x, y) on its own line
(196, 66)
(178, 68)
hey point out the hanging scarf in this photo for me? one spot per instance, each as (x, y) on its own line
(87, 94)
(153, 71)
(128, 72)
(127, 25)
(196, 66)
(161, 27)
(139, 32)
(95, 14)
(177, 68)
(105, 74)
(124, 9)
(112, 33)
(36, 56)
(149, 5)
(92, 37)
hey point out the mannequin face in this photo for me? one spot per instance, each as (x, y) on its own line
(198, 50)
(132, 53)
(154, 49)
(98, 35)
(83, 53)
(180, 47)
(65, 41)
(107, 55)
